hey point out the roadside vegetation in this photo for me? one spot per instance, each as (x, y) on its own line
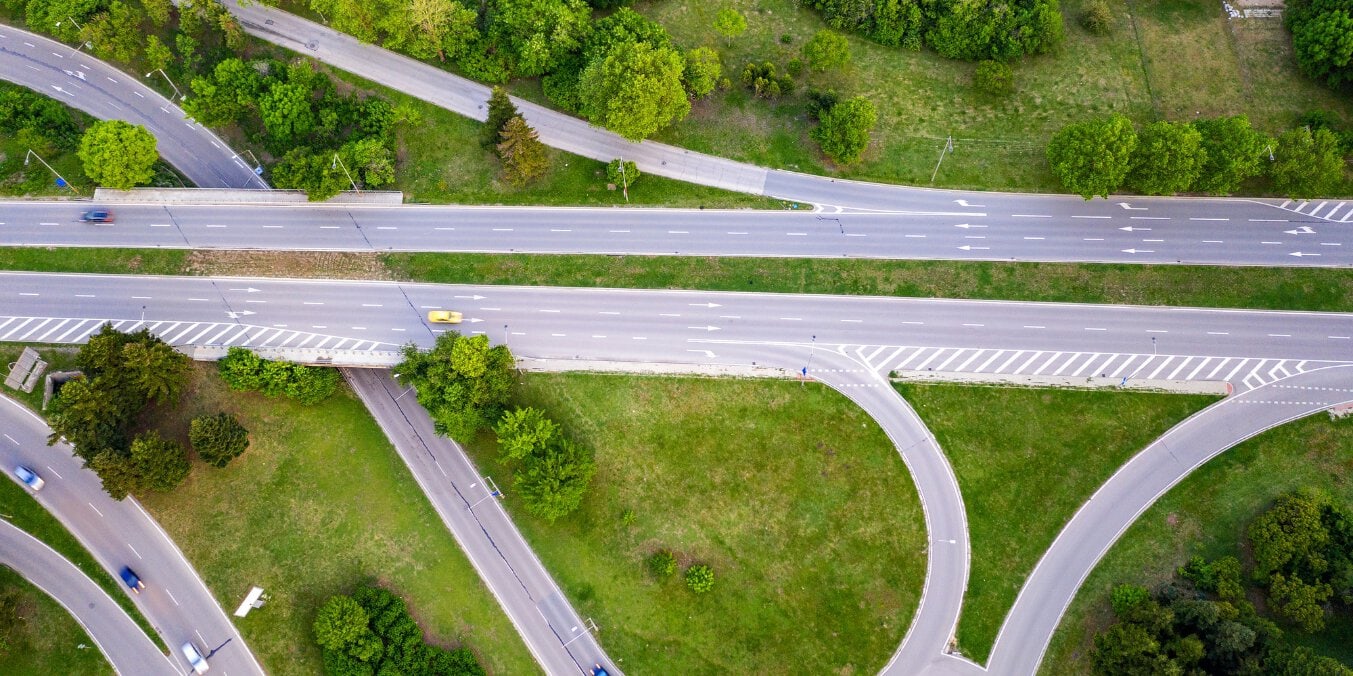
(38, 637)
(1210, 515)
(1026, 459)
(736, 526)
(319, 504)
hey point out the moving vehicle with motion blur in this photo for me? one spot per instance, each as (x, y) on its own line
(97, 216)
(29, 478)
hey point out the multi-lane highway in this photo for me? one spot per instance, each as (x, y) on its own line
(1207, 232)
(108, 625)
(86, 83)
(852, 342)
(119, 534)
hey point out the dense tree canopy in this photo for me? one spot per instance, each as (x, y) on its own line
(243, 370)
(1092, 158)
(372, 632)
(827, 49)
(1322, 38)
(703, 71)
(118, 155)
(218, 438)
(963, 29)
(462, 382)
(538, 35)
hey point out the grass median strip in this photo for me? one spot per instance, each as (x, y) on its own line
(1206, 514)
(39, 637)
(1308, 289)
(793, 495)
(1026, 460)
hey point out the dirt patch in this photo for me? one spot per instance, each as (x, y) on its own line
(305, 264)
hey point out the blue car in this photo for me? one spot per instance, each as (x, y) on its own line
(599, 670)
(129, 576)
(97, 216)
(29, 478)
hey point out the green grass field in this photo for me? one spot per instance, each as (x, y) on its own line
(38, 636)
(1240, 67)
(1025, 460)
(1206, 515)
(792, 494)
(319, 502)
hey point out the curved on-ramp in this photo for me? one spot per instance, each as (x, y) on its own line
(1053, 584)
(108, 625)
(81, 81)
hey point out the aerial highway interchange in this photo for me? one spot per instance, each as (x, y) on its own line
(1280, 365)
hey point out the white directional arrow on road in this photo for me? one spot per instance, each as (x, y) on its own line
(967, 247)
(1303, 230)
(248, 290)
(707, 353)
(704, 328)
(241, 313)
(1134, 251)
(1128, 228)
(711, 305)
(966, 226)
(964, 203)
(1125, 205)
(474, 297)
(1302, 253)
(475, 320)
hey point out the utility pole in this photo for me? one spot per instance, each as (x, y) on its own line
(948, 148)
(624, 182)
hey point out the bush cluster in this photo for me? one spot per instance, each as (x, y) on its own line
(661, 564)
(1322, 38)
(462, 382)
(700, 578)
(243, 370)
(372, 632)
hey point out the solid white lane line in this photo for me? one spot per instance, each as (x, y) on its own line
(1092, 216)
(12, 440)
(1337, 337)
(138, 554)
(1218, 333)
(735, 233)
(1033, 238)
(730, 316)
(915, 236)
(1094, 328)
(1034, 326)
(1279, 335)
(1156, 331)
(550, 311)
(796, 234)
(1270, 242)
(975, 325)
(678, 232)
(1093, 239)
(1029, 216)
(1208, 219)
(96, 509)
(312, 302)
(1269, 220)
(618, 231)
(1212, 241)
(372, 305)
(1149, 218)
(607, 312)
(853, 321)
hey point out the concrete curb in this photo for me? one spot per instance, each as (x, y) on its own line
(232, 196)
(650, 368)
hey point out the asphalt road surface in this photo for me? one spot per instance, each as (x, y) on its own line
(118, 534)
(558, 638)
(83, 82)
(1207, 232)
(114, 633)
(850, 342)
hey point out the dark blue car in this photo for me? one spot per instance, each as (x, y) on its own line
(97, 216)
(129, 576)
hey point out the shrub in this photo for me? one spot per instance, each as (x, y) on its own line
(821, 101)
(994, 79)
(794, 68)
(1097, 17)
(218, 439)
(661, 564)
(242, 370)
(843, 130)
(1092, 158)
(703, 71)
(764, 82)
(827, 49)
(700, 578)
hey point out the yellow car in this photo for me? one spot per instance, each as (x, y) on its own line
(444, 317)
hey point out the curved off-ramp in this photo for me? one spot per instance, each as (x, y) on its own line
(112, 630)
(80, 81)
(1114, 507)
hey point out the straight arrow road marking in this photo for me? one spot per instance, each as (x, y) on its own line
(967, 247)
(1136, 251)
(1125, 205)
(964, 203)
(474, 297)
(704, 328)
(709, 305)
(966, 226)
(1128, 228)
(1300, 254)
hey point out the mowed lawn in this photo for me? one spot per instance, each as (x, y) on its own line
(1026, 459)
(319, 502)
(38, 637)
(792, 494)
(1206, 515)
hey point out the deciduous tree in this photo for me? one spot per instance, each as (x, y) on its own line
(1307, 164)
(340, 623)
(703, 70)
(827, 49)
(1322, 38)
(1092, 158)
(730, 23)
(118, 155)
(1167, 160)
(552, 482)
(523, 432)
(158, 55)
(635, 90)
(1231, 154)
(843, 130)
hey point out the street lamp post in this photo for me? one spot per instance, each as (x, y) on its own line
(61, 180)
(339, 162)
(812, 348)
(492, 488)
(171, 82)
